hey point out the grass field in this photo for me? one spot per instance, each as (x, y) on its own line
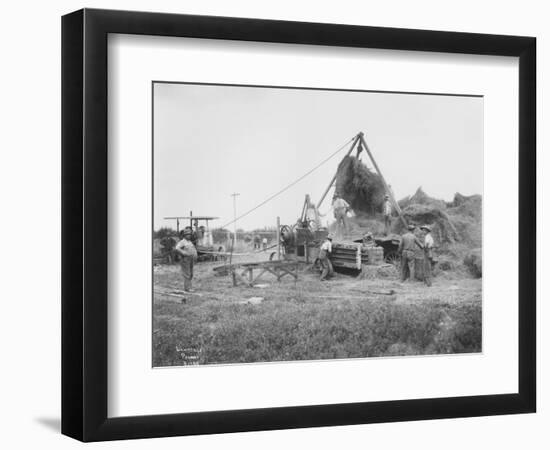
(309, 320)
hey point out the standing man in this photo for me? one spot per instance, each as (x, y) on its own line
(341, 208)
(188, 255)
(406, 249)
(264, 243)
(428, 254)
(386, 209)
(257, 240)
(326, 265)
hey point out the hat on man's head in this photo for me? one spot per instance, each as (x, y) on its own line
(330, 236)
(411, 227)
(426, 227)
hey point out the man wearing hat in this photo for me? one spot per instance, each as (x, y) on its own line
(341, 208)
(428, 253)
(188, 254)
(326, 265)
(368, 240)
(406, 249)
(386, 210)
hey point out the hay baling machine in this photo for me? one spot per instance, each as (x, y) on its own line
(302, 241)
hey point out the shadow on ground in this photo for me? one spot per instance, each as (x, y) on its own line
(52, 423)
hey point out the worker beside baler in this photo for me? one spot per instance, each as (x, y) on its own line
(324, 252)
(428, 254)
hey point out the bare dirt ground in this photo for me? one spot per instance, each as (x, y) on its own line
(306, 319)
(452, 287)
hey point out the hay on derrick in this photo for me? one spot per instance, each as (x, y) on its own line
(362, 188)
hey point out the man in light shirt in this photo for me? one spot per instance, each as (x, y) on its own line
(386, 210)
(428, 254)
(188, 255)
(326, 265)
(341, 208)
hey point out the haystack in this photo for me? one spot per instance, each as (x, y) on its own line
(443, 230)
(421, 209)
(421, 198)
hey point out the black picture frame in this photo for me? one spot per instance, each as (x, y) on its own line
(84, 224)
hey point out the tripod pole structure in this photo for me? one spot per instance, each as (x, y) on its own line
(388, 190)
(353, 144)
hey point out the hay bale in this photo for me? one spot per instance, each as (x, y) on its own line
(473, 261)
(362, 188)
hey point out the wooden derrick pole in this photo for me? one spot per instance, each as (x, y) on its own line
(354, 143)
(388, 190)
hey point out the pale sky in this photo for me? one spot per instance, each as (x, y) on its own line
(211, 141)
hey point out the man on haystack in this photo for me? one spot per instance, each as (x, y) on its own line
(341, 208)
(428, 254)
(386, 210)
(188, 256)
(406, 249)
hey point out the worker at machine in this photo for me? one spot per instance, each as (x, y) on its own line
(406, 249)
(341, 208)
(188, 255)
(324, 252)
(428, 254)
(257, 241)
(368, 240)
(386, 210)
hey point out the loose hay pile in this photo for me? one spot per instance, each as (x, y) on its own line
(378, 272)
(456, 222)
(443, 229)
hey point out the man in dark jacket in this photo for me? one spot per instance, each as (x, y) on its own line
(406, 249)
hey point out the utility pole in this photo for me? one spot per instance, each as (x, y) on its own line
(234, 195)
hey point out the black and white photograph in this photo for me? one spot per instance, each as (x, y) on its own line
(300, 224)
